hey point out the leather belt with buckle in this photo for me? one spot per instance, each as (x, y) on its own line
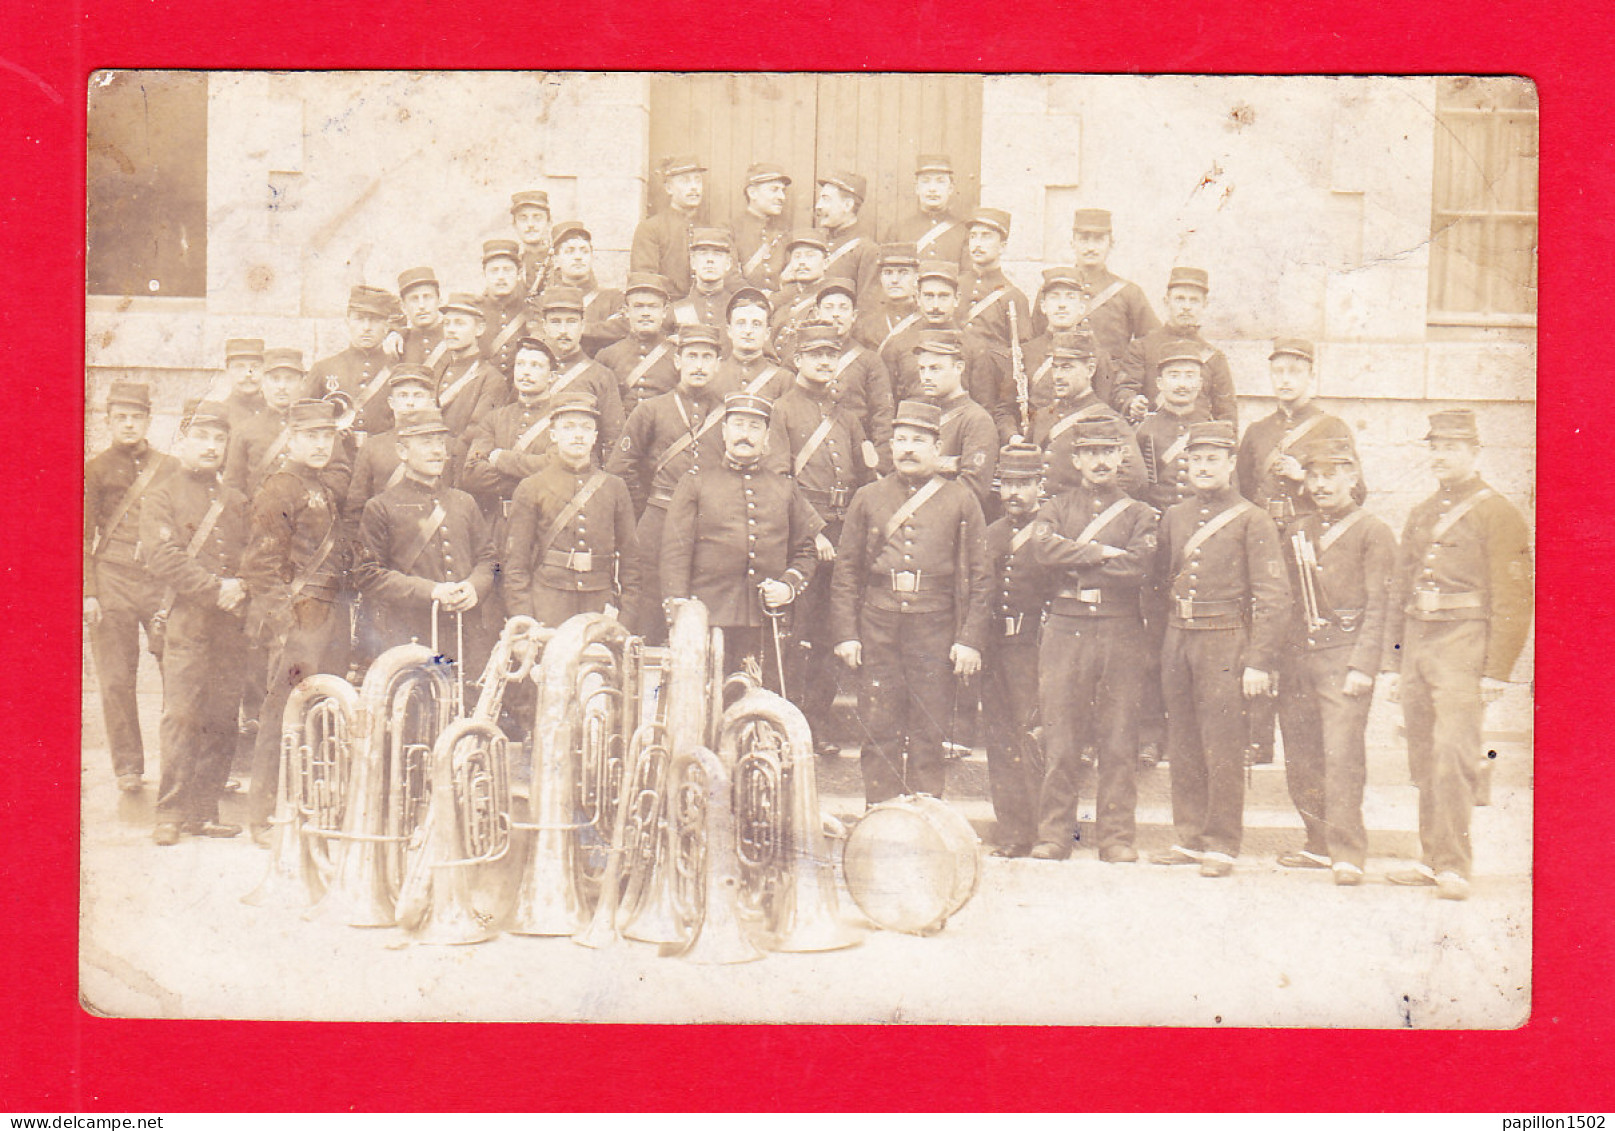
(578, 561)
(1086, 596)
(1012, 624)
(906, 581)
(1432, 601)
(506, 506)
(1186, 608)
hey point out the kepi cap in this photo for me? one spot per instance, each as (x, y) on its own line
(575, 401)
(1105, 432)
(412, 375)
(1453, 424)
(837, 285)
(1090, 220)
(933, 163)
(647, 281)
(1335, 449)
(698, 334)
(501, 249)
(1212, 434)
(560, 298)
(462, 303)
(1294, 347)
(130, 394)
(566, 229)
(283, 359)
(1061, 276)
(1077, 344)
(946, 342)
(205, 412)
(1196, 277)
(853, 183)
(814, 336)
(373, 301)
(528, 342)
(899, 255)
(310, 415)
(750, 403)
(747, 296)
(421, 422)
(995, 218)
(1183, 349)
(712, 237)
(684, 163)
(940, 269)
(1020, 461)
(919, 414)
(243, 347)
(530, 198)
(764, 171)
(417, 277)
(808, 237)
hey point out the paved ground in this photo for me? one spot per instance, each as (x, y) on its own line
(164, 934)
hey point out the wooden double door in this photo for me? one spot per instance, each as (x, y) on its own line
(813, 125)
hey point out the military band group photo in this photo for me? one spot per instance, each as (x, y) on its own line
(1032, 523)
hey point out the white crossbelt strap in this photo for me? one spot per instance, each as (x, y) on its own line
(534, 431)
(1104, 296)
(1021, 537)
(1063, 425)
(985, 304)
(1174, 450)
(373, 387)
(1332, 535)
(937, 232)
(761, 254)
(650, 359)
(903, 324)
(1198, 538)
(763, 378)
(812, 444)
(1294, 435)
(915, 501)
(1102, 520)
(437, 353)
(843, 249)
(569, 376)
(512, 328)
(459, 385)
(1439, 530)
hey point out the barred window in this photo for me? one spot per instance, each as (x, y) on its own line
(1483, 261)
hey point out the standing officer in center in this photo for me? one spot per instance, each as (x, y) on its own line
(741, 538)
(908, 602)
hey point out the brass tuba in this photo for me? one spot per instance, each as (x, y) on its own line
(317, 732)
(468, 814)
(407, 699)
(580, 667)
(789, 877)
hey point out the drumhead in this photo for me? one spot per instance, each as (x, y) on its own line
(910, 863)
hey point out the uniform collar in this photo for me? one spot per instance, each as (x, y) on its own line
(1464, 489)
(735, 465)
(1227, 495)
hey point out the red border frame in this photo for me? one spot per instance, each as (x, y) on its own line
(55, 1057)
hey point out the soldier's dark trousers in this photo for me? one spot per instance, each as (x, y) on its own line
(1151, 703)
(1442, 708)
(1093, 669)
(1201, 678)
(554, 607)
(1325, 758)
(646, 618)
(1009, 707)
(740, 642)
(317, 643)
(906, 701)
(811, 665)
(203, 663)
(129, 600)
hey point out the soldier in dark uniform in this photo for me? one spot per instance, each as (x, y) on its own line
(512, 441)
(896, 308)
(643, 359)
(712, 263)
(1269, 475)
(818, 442)
(1219, 573)
(571, 544)
(665, 439)
(576, 371)
(908, 603)
(421, 297)
(572, 265)
(751, 366)
(1163, 439)
(295, 570)
(1009, 691)
(1059, 306)
(852, 251)
(359, 372)
(530, 216)
(986, 368)
(1071, 370)
(120, 596)
(1186, 291)
(1097, 546)
(1116, 310)
(860, 383)
(662, 242)
(969, 441)
(467, 384)
(192, 531)
(934, 230)
(504, 303)
(377, 467)
(425, 547)
(807, 252)
(761, 228)
(259, 448)
(244, 371)
(1463, 586)
(986, 295)
(740, 538)
(1332, 652)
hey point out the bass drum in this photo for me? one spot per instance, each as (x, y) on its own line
(911, 863)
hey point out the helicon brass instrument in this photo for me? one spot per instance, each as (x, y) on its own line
(407, 699)
(468, 815)
(317, 734)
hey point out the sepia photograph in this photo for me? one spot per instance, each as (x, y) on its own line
(829, 548)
